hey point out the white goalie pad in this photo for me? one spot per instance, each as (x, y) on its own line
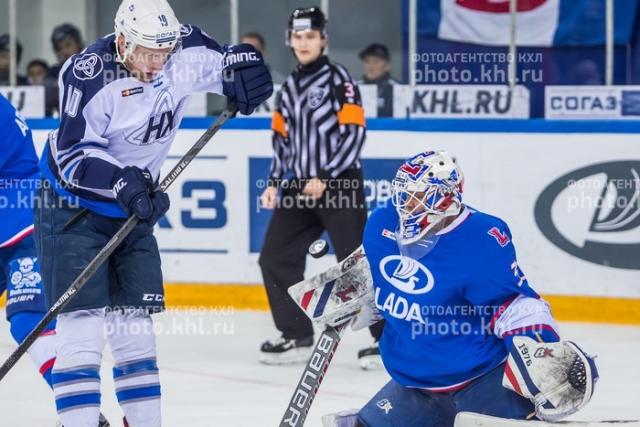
(470, 419)
(558, 378)
(337, 294)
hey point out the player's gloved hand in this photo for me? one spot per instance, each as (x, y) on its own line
(132, 188)
(557, 377)
(246, 80)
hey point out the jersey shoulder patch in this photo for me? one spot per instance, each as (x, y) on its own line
(493, 226)
(87, 66)
(501, 237)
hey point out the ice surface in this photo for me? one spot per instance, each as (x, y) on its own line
(210, 375)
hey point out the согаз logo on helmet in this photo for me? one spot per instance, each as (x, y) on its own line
(406, 274)
(593, 213)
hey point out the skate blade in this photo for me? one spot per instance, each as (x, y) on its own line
(290, 357)
(371, 363)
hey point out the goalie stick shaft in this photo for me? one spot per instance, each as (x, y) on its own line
(312, 376)
(115, 241)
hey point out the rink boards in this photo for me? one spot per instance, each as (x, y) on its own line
(569, 191)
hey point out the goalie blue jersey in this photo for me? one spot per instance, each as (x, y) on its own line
(441, 309)
(19, 176)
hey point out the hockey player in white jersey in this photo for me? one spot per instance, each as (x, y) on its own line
(122, 100)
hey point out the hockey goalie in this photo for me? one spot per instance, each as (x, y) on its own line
(465, 331)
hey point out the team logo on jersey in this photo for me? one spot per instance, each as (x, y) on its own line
(87, 67)
(593, 213)
(501, 237)
(160, 125)
(406, 274)
(26, 274)
(316, 95)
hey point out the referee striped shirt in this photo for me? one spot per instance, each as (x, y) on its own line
(318, 126)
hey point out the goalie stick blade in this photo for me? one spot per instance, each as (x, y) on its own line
(470, 419)
(312, 377)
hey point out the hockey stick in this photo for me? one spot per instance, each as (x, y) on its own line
(315, 297)
(312, 376)
(115, 241)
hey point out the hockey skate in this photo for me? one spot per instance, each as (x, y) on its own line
(369, 358)
(282, 351)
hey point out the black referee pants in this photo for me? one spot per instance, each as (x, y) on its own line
(294, 226)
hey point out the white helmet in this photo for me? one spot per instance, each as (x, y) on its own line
(427, 188)
(148, 23)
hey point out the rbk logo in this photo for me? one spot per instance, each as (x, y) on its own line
(502, 238)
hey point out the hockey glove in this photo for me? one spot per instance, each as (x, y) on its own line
(558, 377)
(132, 189)
(245, 79)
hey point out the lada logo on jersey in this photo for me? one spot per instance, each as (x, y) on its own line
(160, 124)
(88, 66)
(406, 274)
(316, 96)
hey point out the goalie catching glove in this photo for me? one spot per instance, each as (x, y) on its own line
(557, 377)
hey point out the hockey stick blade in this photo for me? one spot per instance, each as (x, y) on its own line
(115, 241)
(312, 377)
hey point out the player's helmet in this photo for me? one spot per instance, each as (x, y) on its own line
(148, 23)
(305, 19)
(427, 188)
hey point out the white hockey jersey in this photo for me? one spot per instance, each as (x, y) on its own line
(110, 119)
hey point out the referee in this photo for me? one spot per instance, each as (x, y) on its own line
(318, 134)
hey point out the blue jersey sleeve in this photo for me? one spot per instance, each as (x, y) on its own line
(497, 276)
(79, 149)
(18, 157)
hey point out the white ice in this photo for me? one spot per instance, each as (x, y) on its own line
(210, 374)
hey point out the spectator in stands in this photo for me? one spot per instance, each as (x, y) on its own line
(66, 41)
(376, 65)
(5, 61)
(256, 40)
(37, 71)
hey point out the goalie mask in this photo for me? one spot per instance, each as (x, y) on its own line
(426, 189)
(148, 23)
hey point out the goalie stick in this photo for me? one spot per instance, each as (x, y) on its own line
(312, 376)
(115, 241)
(316, 296)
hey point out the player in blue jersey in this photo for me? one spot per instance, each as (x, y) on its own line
(19, 264)
(122, 100)
(464, 329)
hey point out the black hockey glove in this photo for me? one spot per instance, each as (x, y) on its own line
(133, 189)
(245, 79)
